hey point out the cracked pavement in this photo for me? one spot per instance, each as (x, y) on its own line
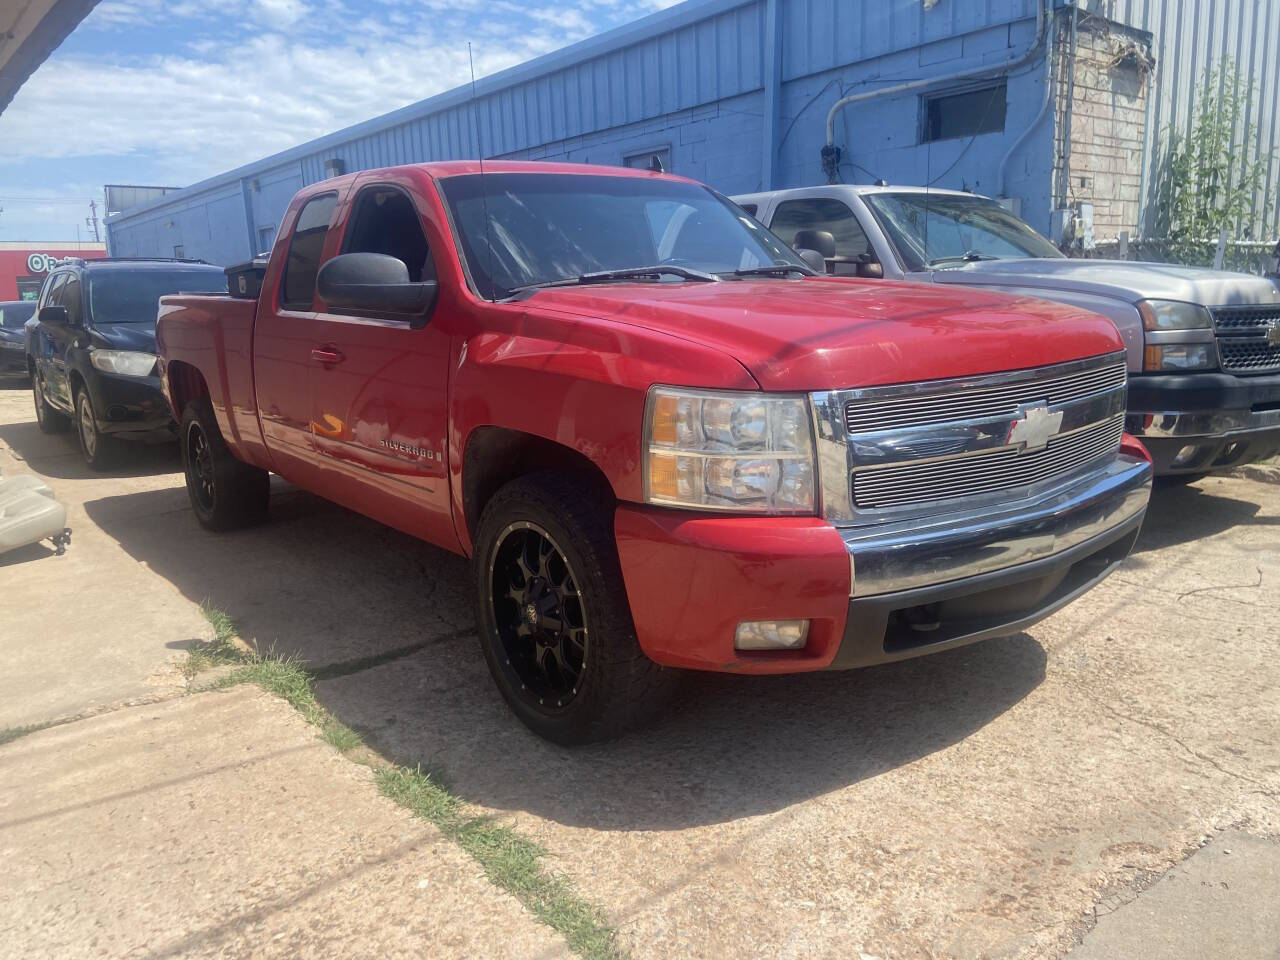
(1004, 800)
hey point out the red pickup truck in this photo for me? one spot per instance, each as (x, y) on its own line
(665, 441)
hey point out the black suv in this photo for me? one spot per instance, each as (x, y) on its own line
(91, 350)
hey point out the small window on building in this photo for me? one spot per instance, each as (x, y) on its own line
(964, 114)
(824, 213)
(178, 252)
(644, 160)
(309, 234)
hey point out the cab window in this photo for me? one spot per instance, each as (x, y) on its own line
(824, 213)
(384, 221)
(299, 285)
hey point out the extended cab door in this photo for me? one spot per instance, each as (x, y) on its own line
(379, 386)
(284, 337)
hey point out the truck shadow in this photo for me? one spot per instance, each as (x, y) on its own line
(386, 623)
(1180, 514)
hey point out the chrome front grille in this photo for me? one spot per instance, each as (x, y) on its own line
(982, 473)
(926, 448)
(1244, 344)
(896, 412)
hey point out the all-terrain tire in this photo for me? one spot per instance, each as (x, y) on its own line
(225, 493)
(618, 688)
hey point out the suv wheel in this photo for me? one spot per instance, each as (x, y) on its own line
(555, 627)
(225, 492)
(100, 450)
(48, 419)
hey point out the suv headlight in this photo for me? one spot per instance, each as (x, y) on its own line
(128, 363)
(729, 450)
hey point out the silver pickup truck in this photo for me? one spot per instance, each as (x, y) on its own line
(1203, 346)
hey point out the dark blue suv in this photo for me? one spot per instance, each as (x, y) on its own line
(91, 349)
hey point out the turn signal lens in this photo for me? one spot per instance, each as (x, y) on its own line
(1179, 356)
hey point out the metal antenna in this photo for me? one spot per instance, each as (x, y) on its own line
(484, 193)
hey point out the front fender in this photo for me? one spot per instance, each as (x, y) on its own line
(577, 381)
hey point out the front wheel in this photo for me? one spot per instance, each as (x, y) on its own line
(555, 627)
(100, 451)
(225, 493)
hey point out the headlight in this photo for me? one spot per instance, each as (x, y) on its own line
(1173, 315)
(126, 362)
(1180, 356)
(745, 452)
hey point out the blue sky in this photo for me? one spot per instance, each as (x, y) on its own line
(168, 92)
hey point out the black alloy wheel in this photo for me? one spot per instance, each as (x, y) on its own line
(199, 466)
(540, 616)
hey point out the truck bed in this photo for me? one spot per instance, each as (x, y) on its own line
(202, 332)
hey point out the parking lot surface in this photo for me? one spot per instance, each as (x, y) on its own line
(989, 802)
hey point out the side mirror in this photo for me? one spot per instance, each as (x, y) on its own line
(813, 258)
(869, 267)
(55, 316)
(377, 283)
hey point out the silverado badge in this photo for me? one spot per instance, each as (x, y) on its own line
(1035, 428)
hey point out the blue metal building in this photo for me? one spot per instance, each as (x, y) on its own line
(737, 92)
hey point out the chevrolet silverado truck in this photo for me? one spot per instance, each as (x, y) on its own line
(1203, 346)
(664, 442)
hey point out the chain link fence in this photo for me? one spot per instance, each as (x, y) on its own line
(1243, 256)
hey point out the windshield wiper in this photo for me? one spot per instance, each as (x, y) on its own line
(774, 270)
(969, 256)
(627, 273)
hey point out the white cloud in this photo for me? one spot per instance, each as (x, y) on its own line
(223, 99)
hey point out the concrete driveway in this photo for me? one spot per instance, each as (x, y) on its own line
(994, 801)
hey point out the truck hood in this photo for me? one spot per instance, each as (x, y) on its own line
(825, 333)
(1121, 279)
(125, 336)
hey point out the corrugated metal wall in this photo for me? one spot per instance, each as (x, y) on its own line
(1191, 35)
(695, 79)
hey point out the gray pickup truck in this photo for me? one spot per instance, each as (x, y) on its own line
(1203, 346)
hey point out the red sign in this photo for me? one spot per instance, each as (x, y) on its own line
(23, 268)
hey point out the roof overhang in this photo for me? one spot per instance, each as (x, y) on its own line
(30, 30)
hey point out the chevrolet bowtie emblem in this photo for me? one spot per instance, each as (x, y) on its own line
(1273, 335)
(1035, 428)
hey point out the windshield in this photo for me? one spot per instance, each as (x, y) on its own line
(546, 227)
(941, 230)
(14, 315)
(130, 296)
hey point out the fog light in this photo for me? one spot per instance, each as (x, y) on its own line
(771, 635)
(1185, 455)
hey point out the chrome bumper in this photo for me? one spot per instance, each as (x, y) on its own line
(922, 553)
(1223, 423)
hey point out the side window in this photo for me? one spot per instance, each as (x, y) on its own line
(309, 233)
(53, 290)
(385, 221)
(824, 213)
(749, 208)
(69, 297)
